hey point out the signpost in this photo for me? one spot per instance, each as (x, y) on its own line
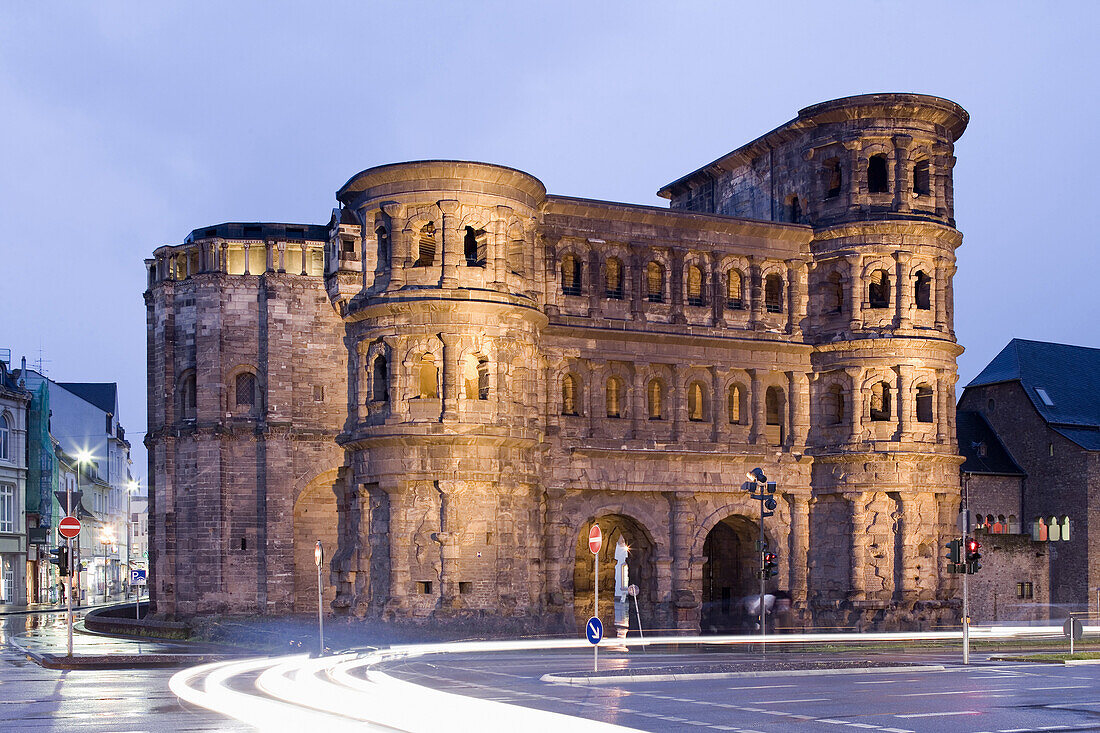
(319, 557)
(632, 591)
(137, 579)
(1074, 630)
(69, 527)
(595, 627)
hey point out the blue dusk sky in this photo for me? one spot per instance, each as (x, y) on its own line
(127, 125)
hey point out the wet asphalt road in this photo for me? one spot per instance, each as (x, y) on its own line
(37, 699)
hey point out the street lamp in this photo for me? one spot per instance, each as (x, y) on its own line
(319, 556)
(82, 457)
(131, 489)
(107, 540)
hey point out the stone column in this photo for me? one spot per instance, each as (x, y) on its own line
(282, 256)
(911, 537)
(448, 547)
(857, 512)
(905, 408)
(246, 258)
(942, 427)
(796, 296)
(855, 376)
(904, 289)
(949, 298)
(269, 251)
(676, 285)
(755, 290)
(855, 290)
(595, 285)
(683, 519)
(757, 429)
(638, 412)
(451, 375)
(223, 263)
(499, 252)
(903, 182)
(451, 242)
(400, 584)
(797, 407)
(555, 553)
(677, 405)
(637, 281)
(799, 506)
(717, 296)
(718, 406)
(855, 175)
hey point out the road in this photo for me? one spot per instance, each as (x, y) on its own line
(37, 699)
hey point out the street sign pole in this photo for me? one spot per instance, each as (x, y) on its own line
(319, 556)
(595, 542)
(69, 551)
(966, 573)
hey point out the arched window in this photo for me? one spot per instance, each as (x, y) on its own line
(614, 397)
(833, 179)
(734, 289)
(381, 385)
(880, 402)
(924, 403)
(773, 293)
(570, 395)
(922, 291)
(570, 275)
(921, 182)
(473, 246)
(656, 394)
(1054, 529)
(613, 283)
(833, 294)
(736, 405)
(476, 377)
(655, 282)
(245, 390)
(697, 402)
(5, 437)
(188, 397)
(878, 290)
(429, 378)
(695, 286)
(774, 409)
(383, 247)
(877, 179)
(1065, 529)
(833, 406)
(1039, 530)
(425, 255)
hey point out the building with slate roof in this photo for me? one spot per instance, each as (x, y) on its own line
(1029, 429)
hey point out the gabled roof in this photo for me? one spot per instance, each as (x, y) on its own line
(103, 395)
(976, 437)
(1062, 381)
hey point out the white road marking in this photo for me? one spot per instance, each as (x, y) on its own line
(950, 692)
(863, 725)
(804, 699)
(834, 722)
(759, 687)
(897, 730)
(1059, 687)
(880, 682)
(935, 715)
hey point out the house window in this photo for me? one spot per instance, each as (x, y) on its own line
(878, 290)
(773, 293)
(5, 434)
(570, 275)
(381, 392)
(656, 399)
(924, 403)
(695, 286)
(188, 399)
(614, 397)
(1024, 591)
(921, 183)
(7, 508)
(833, 179)
(736, 406)
(570, 392)
(245, 390)
(734, 289)
(424, 587)
(922, 291)
(425, 254)
(474, 247)
(9, 582)
(880, 402)
(613, 285)
(697, 404)
(428, 378)
(877, 180)
(655, 283)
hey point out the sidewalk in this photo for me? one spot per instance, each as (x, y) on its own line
(9, 609)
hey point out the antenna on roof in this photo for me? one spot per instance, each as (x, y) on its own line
(41, 362)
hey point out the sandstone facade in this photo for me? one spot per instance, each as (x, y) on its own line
(461, 373)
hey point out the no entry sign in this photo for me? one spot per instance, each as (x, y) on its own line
(69, 527)
(595, 539)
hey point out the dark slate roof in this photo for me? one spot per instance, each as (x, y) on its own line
(101, 394)
(973, 431)
(1087, 438)
(1069, 376)
(260, 230)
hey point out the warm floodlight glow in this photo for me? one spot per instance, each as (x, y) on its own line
(132, 486)
(757, 475)
(83, 456)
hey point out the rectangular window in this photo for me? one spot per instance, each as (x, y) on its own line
(424, 587)
(7, 508)
(1024, 591)
(465, 586)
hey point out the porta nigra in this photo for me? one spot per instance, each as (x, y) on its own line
(449, 382)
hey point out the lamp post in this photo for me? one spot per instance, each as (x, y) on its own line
(319, 556)
(82, 457)
(763, 491)
(131, 488)
(107, 541)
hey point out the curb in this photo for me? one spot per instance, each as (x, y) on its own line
(1065, 662)
(49, 660)
(629, 678)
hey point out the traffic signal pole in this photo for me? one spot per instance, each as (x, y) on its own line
(69, 552)
(965, 548)
(763, 580)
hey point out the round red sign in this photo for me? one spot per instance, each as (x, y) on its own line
(595, 539)
(69, 527)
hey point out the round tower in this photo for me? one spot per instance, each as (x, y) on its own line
(434, 269)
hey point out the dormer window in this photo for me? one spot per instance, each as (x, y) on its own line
(1044, 396)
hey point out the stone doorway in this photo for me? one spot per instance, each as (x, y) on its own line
(314, 519)
(730, 574)
(640, 570)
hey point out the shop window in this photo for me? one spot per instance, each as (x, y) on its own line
(381, 382)
(425, 255)
(924, 403)
(697, 403)
(921, 183)
(656, 397)
(655, 283)
(922, 291)
(773, 293)
(880, 402)
(734, 288)
(613, 279)
(570, 395)
(878, 290)
(570, 275)
(695, 286)
(877, 179)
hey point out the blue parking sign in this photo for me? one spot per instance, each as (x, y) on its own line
(137, 577)
(594, 630)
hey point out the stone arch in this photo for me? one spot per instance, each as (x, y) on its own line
(315, 518)
(615, 521)
(729, 574)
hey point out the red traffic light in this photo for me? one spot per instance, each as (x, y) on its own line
(973, 545)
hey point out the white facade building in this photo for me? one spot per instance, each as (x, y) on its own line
(14, 400)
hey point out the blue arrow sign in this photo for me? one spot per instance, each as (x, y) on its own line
(594, 630)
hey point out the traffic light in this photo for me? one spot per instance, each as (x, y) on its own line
(771, 567)
(59, 556)
(954, 557)
(973, 556)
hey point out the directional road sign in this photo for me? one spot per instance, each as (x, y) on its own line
(69, 527)
(595, 539)
(594, 630)
(137, 577)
